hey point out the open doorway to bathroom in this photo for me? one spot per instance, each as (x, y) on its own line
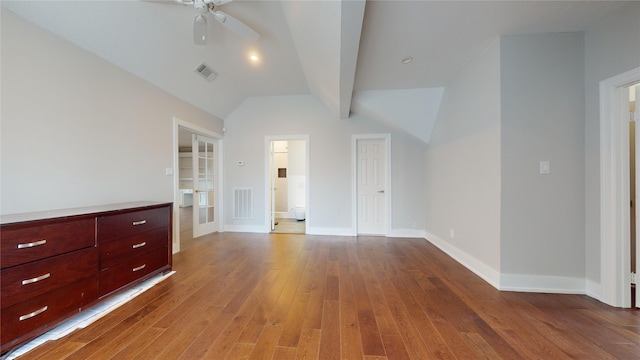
(288, 182)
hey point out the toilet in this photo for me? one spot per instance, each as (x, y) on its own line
(299, 212)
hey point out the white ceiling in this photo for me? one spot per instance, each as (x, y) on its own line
(329, 48)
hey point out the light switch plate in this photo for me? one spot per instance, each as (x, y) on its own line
(545, 167)
(168, 171)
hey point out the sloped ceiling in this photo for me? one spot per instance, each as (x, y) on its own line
(327, 37)
(345, 52)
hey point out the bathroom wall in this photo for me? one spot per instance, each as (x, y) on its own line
(281, 184)
(296, 174)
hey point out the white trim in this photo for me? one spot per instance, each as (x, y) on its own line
(354, 180)
(407, 233)
(593, 289)
(267, 203)
(329, 231)
(614, 192)
(246, 228)
(542, 284)
(476, 266)
(177, 124)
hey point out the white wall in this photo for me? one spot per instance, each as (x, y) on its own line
(542, 118)
(519, 103)
(611, 48)
(296, 173)
(329, 183)
(79, 131)
(281, 193)
(463, 168)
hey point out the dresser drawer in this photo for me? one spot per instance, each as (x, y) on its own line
(27, 281)
(40, 311)
(116, 226)
(26, 244)
(117, 251)
(122, 274)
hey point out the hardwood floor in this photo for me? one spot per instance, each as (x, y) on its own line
(283, 296)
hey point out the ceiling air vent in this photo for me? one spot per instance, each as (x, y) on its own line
(206, 72)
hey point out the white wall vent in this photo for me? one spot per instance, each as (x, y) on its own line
(242, 200)
(205, 71)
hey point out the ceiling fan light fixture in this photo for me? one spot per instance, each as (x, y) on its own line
(200, 30)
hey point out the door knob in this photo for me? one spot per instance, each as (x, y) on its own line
(381, 191)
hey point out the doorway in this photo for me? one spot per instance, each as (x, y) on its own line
(615, 191)
(287, 184)
(185, 219)
(205, 185)
(372, 184)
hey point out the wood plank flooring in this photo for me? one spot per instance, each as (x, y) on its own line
(283, 296)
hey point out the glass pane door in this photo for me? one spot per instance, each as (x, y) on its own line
(204, 168)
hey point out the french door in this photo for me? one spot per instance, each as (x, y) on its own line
(205, 187)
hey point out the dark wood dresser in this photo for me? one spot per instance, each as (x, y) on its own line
(55, 264)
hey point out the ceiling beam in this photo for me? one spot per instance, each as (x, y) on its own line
(326, 35)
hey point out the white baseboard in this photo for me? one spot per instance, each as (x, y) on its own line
(595, 291)
(407, 233)
(479, 268)
(514, 282)
(329, 231)
(542, 284)
(246, 228)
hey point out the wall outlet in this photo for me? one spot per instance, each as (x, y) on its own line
(452, 233)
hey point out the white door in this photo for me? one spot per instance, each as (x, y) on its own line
(372, 186)
(204, 185)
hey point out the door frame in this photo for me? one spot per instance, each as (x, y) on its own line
(267, 176)
(194, 129)
(354, 179)
(614, 190)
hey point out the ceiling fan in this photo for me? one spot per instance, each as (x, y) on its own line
(209, 7)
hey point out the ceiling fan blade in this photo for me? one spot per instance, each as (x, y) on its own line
(218, 2)
(184, 2)
(200, 30)
(236, 25)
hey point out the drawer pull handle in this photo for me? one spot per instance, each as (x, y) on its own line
(140, 267)
(36, 279)
(32, 244)
(35, 313)
(141, 222)
(139, 245)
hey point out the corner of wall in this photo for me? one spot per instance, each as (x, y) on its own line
(479, 268)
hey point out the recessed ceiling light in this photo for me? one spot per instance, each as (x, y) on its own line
(254, 58)
(407, 60)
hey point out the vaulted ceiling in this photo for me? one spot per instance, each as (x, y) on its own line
(348, 53)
